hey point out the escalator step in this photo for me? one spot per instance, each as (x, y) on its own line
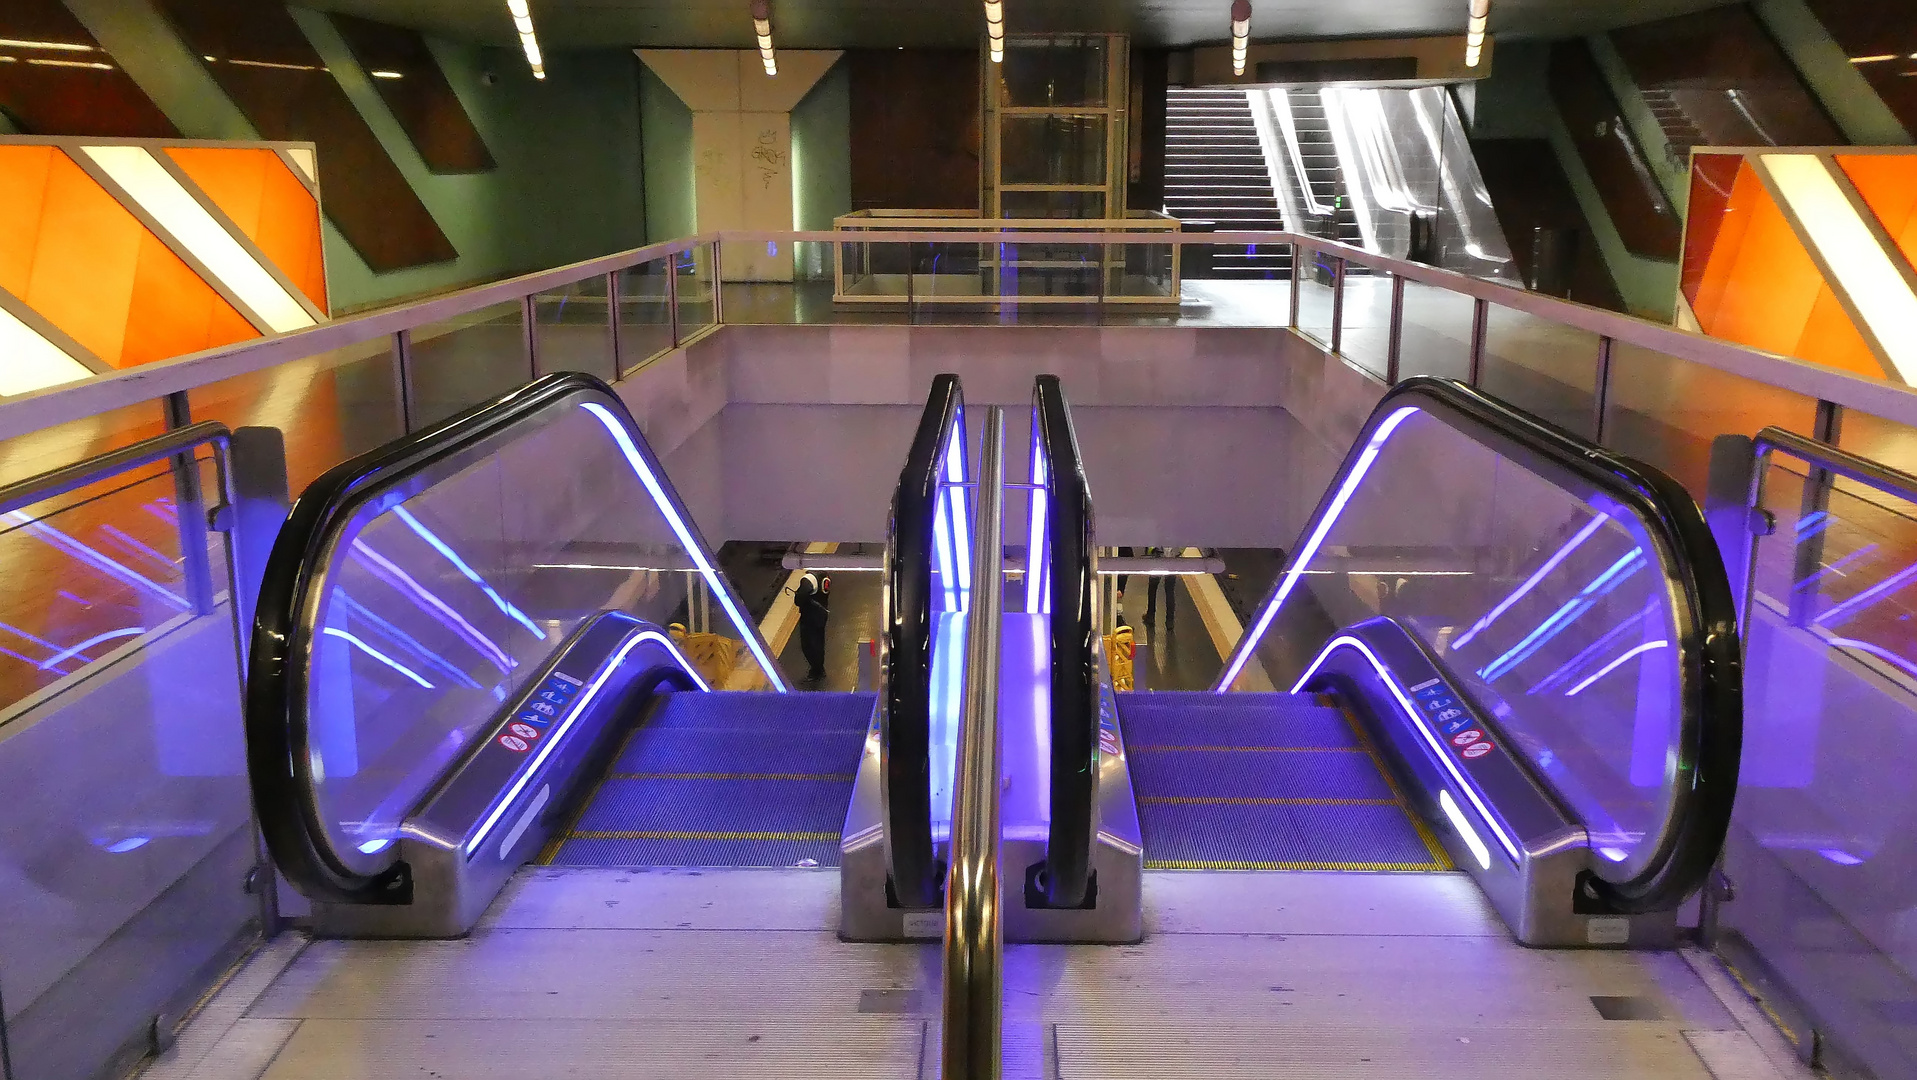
(1258, 773)
(1297, 836)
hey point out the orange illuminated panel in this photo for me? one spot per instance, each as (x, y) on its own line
(82, 261)
(1712, 178)
(1759, 287)
(271, 206)
(1888, 184)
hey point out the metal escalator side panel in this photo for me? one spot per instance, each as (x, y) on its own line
(1070, 567)
(1578, 595)
(416, 587)
(922, 576)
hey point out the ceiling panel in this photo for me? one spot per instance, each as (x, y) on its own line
(945, 23)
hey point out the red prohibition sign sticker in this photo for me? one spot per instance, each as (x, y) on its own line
(1478, 750)
(513, 743)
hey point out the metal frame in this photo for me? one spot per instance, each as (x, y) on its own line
(974, 933)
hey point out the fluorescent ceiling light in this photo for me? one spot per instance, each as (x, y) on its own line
(1475, 28)
(54, 46)
(1864, 271)
(528, 42)
(1855, 59)
(762, 31)
(995, 29)
(274, 66)
(386, 75)
(29, 361)
(176, 211)
(94, 65)
(1240, 34)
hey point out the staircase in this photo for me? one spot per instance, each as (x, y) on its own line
(1214, 171)
(1322, 172)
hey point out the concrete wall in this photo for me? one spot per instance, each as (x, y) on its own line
(1209, 437)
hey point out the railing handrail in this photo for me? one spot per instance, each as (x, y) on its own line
(909, 626)
(974, 932)
(1709, 660)
(56, 482)
(27, 413)
(1841, 462)
(278, 737)
(1072, 630)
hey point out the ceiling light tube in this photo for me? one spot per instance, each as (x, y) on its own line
(523, 24)
(1240, 34)
(995, 29)
(1475, 28)
(762, 30)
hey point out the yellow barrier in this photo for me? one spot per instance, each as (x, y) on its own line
(715, 655)
(1118, 657)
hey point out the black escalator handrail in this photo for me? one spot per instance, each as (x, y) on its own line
(1710, 666)
(1072, 565)
(278, 743)
(905, 722)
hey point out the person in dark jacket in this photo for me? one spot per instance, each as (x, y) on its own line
(813, 599)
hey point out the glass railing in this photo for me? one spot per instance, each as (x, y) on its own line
(928, 557)
(417, 587)
(128, 845)
(1820, 856)
(1578, 597)
(1061, 565)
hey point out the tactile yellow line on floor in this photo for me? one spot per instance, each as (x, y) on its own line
(1257, 749)
(728, 776)
(1249, 800)
(1357, 867)
(649, 834)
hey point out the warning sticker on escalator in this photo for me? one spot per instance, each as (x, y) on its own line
(525, 731)
(1442, 709)
(514, 743)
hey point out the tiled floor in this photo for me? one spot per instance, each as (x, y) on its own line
(613, 973)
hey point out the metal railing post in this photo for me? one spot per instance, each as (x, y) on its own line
(718, 285)
(613, 331)
(1809, 553)
(408, 392)
(1394, 333)
(1601, 390)
(1337, 304)
(672, 294)
(529, 319)
(191, 506)
(974, 932)
(1480, 330)
(1298, 254)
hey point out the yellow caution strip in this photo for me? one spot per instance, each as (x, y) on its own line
(1208, 800)
(1257, 749)
(649, 834)
(727, 776)
(1358, 867)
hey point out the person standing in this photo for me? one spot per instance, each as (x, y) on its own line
(813, 599)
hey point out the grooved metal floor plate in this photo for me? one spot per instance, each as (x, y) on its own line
(1264, 782)
(1321, 975)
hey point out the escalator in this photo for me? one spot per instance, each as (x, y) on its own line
(472, 653)
(1495, 647)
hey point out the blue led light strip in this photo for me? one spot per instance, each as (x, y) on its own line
(1309, 549)
(334, 631)
(1531, 582)
(1037, 558)
(402, 581)
(1615, 664)
(578, 709)
(1865, 598)
(1613, 576)
(693, 549)
(472, 575)
(1417, 722)
(96, 560)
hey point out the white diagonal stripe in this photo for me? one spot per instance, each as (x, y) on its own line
(1864, 271)
(148, 183)
(28, 361)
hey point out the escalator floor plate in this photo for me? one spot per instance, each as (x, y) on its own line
(726, 780)
(1265, 782)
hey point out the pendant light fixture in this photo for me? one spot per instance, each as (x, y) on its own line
(522, 22)
(762, 29)
(1240, 34)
